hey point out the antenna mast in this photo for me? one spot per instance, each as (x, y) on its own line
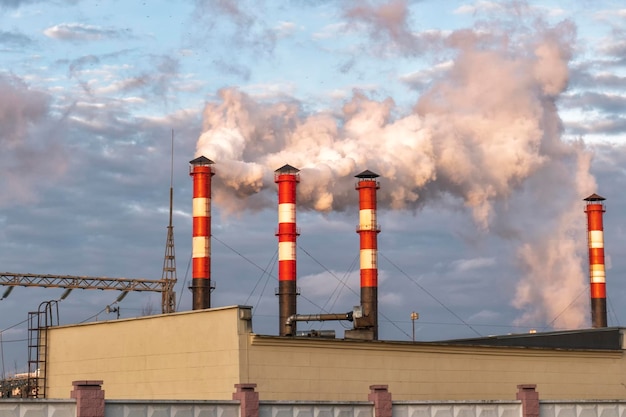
(168, 301)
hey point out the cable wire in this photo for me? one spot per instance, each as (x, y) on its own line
(351, 290)
(268, 275)
(264, 272)
(431, 295)
(327, 270)
(613, 311)
(549, 324)
(15, 325)
(184, 282)
(238, 253)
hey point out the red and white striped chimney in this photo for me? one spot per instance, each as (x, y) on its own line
(368, 230)
(287, 178)
(201, 172)
(597, 272)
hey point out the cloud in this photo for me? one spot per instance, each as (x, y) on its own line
(81, 32)
(333, 287)
(157, 81)
(601, 126)
(14, 4)
(420, 80)
(485, 316)
(388, 26)
(238, 22)
(596, 101)
(15, 39)
(28, 141)
(615, 48)
(479, 6)
(464, 265)
(285, 29)
(330, 31)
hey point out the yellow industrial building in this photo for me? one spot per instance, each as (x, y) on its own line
(202, 354)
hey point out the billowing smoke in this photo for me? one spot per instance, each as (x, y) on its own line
(486, 132)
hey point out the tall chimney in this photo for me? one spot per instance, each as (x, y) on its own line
(287, 178)
(201, 172)
(368, 230)
(597, 273)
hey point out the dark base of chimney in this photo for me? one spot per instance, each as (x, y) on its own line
(201, 293)
(598, 312)
(287, 292)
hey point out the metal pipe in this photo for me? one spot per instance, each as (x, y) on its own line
(315, 317)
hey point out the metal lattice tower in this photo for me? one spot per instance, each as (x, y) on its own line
(169, 273)
(168, 299)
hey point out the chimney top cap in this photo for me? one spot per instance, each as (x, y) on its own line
(367, 174)
(201, 160)
(287, 169)
(595, 197)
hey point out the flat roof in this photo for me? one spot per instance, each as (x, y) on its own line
(605, 338)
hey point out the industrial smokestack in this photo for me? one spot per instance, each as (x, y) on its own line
(368, 230)
(201, 172)
(597, 272)
(287, 178)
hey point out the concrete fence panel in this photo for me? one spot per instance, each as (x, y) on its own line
(582, 409)
(457, 409)
(37, 408)
(296, 409)
(121, 408)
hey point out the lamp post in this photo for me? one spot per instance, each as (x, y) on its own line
(110, 309)
(414, 316)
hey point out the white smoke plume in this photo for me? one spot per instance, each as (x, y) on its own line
(485, 132)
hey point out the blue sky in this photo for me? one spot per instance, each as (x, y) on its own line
(488, 122)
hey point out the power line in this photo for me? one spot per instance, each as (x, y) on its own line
(101, 311)
(267, 274)
(15, 325)
(327, 270)
(184, 282)
(264, 273)
(549, 324)
(430, 295)
(238, 253)
(348, 287)
(613, 311)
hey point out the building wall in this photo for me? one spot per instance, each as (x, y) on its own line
(190, 355)
(340, 370)
(201, 355)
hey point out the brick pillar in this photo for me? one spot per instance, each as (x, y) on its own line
(530, 399)
(381, 398)
(248, 400)
(89, 398)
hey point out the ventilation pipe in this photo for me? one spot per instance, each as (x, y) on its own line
(597, 273)
(201, 172)
(287, 178)
(291, 322)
